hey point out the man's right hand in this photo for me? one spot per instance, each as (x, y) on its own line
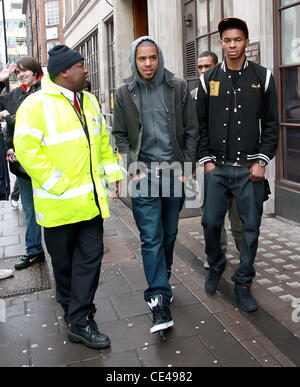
(209, 166)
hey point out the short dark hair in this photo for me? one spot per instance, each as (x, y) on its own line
(29, 63)
(209, 53)
(146, 43)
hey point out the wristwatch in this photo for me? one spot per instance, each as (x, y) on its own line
(262, 163)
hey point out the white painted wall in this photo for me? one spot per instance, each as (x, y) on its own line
(165, 26)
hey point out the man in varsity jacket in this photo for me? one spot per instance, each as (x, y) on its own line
(239, 132)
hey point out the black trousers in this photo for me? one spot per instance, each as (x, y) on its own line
(76, 252)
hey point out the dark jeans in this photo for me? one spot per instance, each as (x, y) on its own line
(156, 214)
(76, 252)
(16, 191)
(33, 236)
(220, 184)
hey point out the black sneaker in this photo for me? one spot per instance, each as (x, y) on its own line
(212, 280)
(29, 260)
(89, 335)
(162, 318)
(245, 297)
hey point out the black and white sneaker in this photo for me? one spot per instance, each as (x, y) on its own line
(162, 318)
(29, 260)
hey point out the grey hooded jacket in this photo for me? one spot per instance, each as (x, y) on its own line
(155, 121)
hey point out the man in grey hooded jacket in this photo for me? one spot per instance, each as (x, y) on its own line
(156, 130)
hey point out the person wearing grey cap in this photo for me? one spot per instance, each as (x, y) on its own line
(155, 127)
(239, 132)
(62, 142)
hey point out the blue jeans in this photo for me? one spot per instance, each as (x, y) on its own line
(156, 214)
(33, 236)
(220, 184)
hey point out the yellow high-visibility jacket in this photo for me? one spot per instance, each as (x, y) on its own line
(65, 167)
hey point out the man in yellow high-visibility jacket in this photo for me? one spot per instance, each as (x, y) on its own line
(61, 141)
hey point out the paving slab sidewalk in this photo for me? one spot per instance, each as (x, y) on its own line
(206, 328)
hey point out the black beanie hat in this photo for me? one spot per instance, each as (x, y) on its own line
(60, 58)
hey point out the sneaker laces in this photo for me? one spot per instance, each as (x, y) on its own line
(159, 309)
(153, 303)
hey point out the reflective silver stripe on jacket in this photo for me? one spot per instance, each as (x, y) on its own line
(64, 137)
(68, 194)
(27, 130)
(53, 179)
(203, 83)
(111, 168)
(49, 118)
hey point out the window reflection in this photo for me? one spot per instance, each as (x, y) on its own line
(286, 2)
(202, 17)
(216, 46)
(228, 8)
(291, 97)
(202, 44)
(292, 160)
(290, 35)
(214, 14)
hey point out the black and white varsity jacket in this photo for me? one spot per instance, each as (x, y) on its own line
(256, 114)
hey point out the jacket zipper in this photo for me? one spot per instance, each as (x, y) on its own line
(153, 118)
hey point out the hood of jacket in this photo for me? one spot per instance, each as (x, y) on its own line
(159, 76)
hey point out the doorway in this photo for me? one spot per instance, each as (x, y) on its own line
(140, 17)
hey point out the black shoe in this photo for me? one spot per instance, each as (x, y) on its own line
(212, 280)
(162, 318)
(29, 260)
(89, 335)
(245, 297)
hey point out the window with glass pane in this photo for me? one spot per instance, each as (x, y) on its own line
(228, 8)
(215, 7)
(292, 157)
(215, 46)
(290, 89)
(287, 2)
(291, 95)
(89, 50)
(52, 13)
(202, 44)
(202, 35)
(209, 14)
(51, 45)
(17, 23)
(202, 17)
(290, 35)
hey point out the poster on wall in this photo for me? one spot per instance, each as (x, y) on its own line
(253, 52)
